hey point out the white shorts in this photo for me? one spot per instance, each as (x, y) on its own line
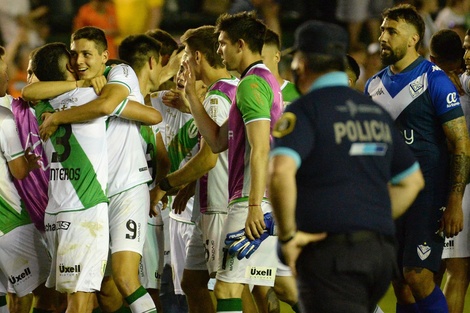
(23, 259)
(204, 251)
(260, 268)
(180, 234)
(128, 212)
(78, 243)
(458, 246)
(151, 264)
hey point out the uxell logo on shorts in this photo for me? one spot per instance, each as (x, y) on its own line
(69, 270)
(15, 279)
(260, 272)
(423, 251)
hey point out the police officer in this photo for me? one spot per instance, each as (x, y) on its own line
(338, 167)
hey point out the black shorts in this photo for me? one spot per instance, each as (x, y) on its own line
(419, 244)
(342, 276)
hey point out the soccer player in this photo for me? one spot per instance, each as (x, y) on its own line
(246, 135)
(128, 172)
(426, 108)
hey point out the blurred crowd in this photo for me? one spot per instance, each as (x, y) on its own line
(27, 24)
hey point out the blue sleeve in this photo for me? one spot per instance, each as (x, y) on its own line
(444, 95)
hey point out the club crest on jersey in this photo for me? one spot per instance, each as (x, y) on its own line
(416, 87)
(285, 125)
(423, 251)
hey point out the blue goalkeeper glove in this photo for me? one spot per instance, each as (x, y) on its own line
(238, 244)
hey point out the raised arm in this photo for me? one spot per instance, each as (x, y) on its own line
(216, 136)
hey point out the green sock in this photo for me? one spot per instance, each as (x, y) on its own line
(233, 305)
(295, 308)
(3, 300)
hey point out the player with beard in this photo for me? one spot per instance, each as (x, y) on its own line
(426, 108)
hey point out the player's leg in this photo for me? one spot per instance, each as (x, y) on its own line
(194, 285)
(458, 278)
(19, 304)
(127, 233)
(266, 299)
(78, 302)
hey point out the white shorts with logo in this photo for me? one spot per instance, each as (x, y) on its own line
(151, 264)
(128, 212)
(459, 246)
(78, 242)
(204, 251)
(23, 259)
(260, 268)
(180, 234)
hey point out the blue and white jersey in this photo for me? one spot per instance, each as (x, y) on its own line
(421, 99)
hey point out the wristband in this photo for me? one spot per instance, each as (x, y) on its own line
(164, 184)
(284, 241)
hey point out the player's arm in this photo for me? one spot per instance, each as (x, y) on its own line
(258, 134)
(202, 162)
(216, 136)
(459, 144)
(40, 90)
(135, 111)
(162, 161)
(404, 189)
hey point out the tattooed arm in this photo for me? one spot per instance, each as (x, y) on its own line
(459, 144)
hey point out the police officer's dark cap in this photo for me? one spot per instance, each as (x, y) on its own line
(320, 37)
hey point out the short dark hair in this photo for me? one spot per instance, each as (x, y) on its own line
(272, 38)
(410, 15)
(446, 46)
(169, 44)
(243, 25)
(46, 62)
(205, 40)
(94, 34)
(137, 49)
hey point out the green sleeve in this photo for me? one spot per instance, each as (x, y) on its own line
(254, 98)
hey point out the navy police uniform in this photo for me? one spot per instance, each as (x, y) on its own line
(420, 99)
(348, 150)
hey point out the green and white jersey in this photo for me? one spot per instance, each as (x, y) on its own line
(12, 211)
(289, 92)
(77, 156)
(148, 135)
(127, 163)
(180, 136)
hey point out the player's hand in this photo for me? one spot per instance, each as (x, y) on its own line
(238, 244)
(32, 159)
(172, 67)
(182, 198)
(289, 252)
(156, 195)
(48, 126)
(254, 225)
(189, 78)
(452, 217)
(97, 83)
(176, 98)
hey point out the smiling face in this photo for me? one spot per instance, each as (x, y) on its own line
(87, 61)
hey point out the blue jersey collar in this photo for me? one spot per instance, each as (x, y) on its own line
(329, 80)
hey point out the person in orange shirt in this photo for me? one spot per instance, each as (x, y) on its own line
(101, 14)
